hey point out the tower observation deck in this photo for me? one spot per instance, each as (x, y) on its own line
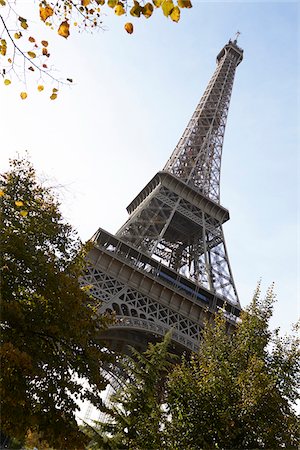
(167, 266)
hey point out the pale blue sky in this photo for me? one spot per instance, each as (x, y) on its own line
(133, 95)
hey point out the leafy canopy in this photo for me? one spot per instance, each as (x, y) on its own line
(49, 328)
(238, 392)
(136, 413)
(22, 46)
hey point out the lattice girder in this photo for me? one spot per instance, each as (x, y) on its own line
(182, 228)
(126, 283)
(197, 157)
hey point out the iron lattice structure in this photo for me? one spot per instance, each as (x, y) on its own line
(167, 266)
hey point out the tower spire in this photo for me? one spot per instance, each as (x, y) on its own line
(196, 159)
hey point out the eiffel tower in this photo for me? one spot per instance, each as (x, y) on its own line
(167, 266)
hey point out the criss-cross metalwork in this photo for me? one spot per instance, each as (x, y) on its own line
(167, 266)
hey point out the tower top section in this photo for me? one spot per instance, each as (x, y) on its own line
(232, 50)
(196, 159)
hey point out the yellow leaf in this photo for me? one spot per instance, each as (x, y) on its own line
(75, 24)
(112, 3)
(167, 7)
(85, 2)
(184, 4)
(136, 9)
(40, 87)
(9, 60)
(31, 54)
(128, 27)
(100, 2)
(18, 35)
(119, 9)
(7, 82)
(44, 43)
(1, 193)
(23, 95)
(157, 3)
(175, 14)
(23, 213)
(46, 12)
(2, 2)
(63, 29)
(3, 47)
(24, 23)
(53, 96)
(54, 90)
(147, 10)
(19, 203)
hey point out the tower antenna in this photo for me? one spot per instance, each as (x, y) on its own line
(237, 34)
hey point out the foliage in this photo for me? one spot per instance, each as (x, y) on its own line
(20, 41)
(238, 392)
(49, 329)
(136, 414)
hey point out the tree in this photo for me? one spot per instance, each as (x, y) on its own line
(239, 391)
(49, 328)
(20, 42)
(137, 414)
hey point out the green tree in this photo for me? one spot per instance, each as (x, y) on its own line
(239, 391)
(49, 328)
(137, 415)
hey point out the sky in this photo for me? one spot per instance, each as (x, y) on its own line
(104, 138)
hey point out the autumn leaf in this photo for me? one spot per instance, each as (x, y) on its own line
(31, 54)
(23, 95)
(119, 9)
(3, 47)
(85, 2)
(7, 82)
(46, 12)
(31, 39)
(24, 23)
(1, 193)
(112, 3)
(167, 7)
(63, 29)
(147, 10)
(18, 35)
(184, 4)
(157, 3)
(136, 9)
(40, 88)
(24, 213)
(19, 203)
(128, 27)
(175, 14)
(53, 96)
(44, 43)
